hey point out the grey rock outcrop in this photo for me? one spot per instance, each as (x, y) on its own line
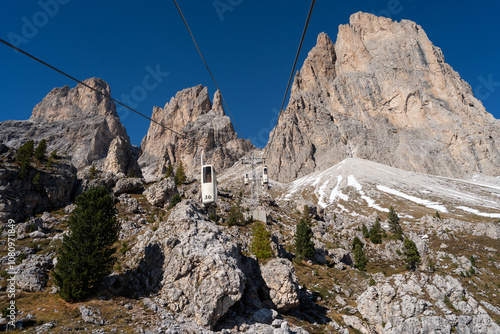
(279, 276)
(20, 198)
(31, 275)
(203, 126)
(192, 264)
(160, 193)
(79, 122)
(382, 92)
(402, 306)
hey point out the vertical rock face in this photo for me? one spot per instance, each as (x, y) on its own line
(382, 92)
(200, 126)
(79, 122)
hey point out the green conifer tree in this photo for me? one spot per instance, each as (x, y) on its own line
(261, 241)
(360, 259)
(304, 246)
(87, 253)
(180, 176)
(365, 232)
(170, 171)
(376, 232)
(412, 256)
(41, 150)
(394, 226)
(23, 156)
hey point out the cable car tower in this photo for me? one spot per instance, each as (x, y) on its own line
(253, 162)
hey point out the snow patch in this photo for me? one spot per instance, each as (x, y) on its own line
(477, 212)
(427, 203)
(351, 181)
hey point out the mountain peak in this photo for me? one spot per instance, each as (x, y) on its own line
(384, 93)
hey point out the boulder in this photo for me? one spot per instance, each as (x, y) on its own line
(193, 265)
(160, 193)
(279, 277)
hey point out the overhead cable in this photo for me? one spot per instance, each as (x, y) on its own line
(297, 55)
(208, 69)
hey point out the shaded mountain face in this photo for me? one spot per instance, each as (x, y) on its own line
(203, 126)
(384, 93)
(78, 122)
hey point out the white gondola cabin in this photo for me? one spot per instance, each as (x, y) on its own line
(265, 179)
(208, 185)
(245, 178)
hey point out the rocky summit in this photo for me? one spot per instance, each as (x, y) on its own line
(383, 92)
(78, 122)
(199, 126)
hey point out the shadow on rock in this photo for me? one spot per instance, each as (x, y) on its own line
(142, 281)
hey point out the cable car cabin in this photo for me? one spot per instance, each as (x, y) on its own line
(264, 175)
(208, 185)
(245, 178)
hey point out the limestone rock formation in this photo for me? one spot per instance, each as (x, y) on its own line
(79, 122)
(201, 126)
(192, 264)
(382, 92)
(279, 276)
(401, 307)
(42, 188)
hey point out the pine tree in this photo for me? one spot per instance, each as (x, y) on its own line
(304, 247)
(365, 232)
(24, 155)
(261, 244)
(235, 216)
(356, 241)
(376, 232)
(360, 259)
(86, 255)
(412, 256)
(93, 172)
(394, 226)
(180, 176)
(170, 171)
(41, 150)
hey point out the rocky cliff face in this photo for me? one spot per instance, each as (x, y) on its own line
(382, 92)
(79, 122)
(204, 127)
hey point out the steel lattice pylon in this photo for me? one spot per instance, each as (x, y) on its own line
(254, 161)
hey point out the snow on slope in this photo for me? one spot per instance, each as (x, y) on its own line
(362, 187)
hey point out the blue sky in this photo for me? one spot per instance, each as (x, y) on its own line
(249, 45)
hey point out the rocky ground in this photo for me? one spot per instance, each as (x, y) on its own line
(183, 270)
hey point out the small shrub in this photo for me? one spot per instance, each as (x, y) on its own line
(176, 199)
(448, 303)
(93, 172)
(235, 216)
(473, 261)
(53, 155)
(437, 215)
(213, 217)
(36, 179)
(372, 282)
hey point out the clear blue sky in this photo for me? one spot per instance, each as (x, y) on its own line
(249, 45)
